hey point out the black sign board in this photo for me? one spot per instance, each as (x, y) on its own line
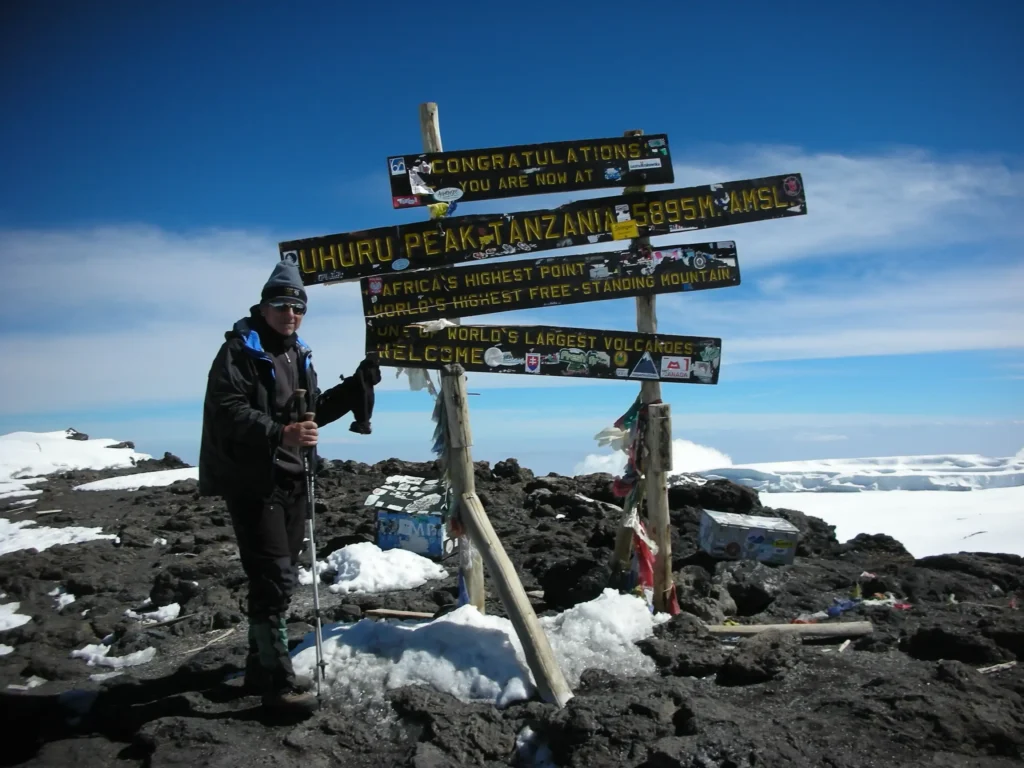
(534, 350)
(440, 242)
(529, 169)
(478, 289)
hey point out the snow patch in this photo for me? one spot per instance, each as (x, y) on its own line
(10, 618)
(25, 534)
(925, 522)
(63, 597)
(478, 657)
(139, 480)
(96, 655)
(32, 455)
(942, 472)
(166, 613)
(5, 649)
(365, 567)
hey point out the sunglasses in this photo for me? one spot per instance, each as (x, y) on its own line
(298, 309)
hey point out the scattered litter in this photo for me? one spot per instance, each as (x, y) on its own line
(997, 667)
(217, 639)
(101, 676)
(844, 646)
(842, 605)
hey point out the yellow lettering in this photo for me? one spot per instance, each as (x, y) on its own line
(413, 242)
(430, 244)
(567, 225)
(639, 213)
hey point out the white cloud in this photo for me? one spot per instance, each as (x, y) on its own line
(687, 456)
(893, 312)
(132, 314)
(857, 203)
(816, 437)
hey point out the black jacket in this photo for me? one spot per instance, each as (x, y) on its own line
(241, 428)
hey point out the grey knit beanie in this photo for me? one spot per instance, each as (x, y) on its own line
(285, 284)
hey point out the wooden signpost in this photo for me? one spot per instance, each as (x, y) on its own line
(527, 284)
(442, 242)
(541, 350)
(499, 172)
(414, 297)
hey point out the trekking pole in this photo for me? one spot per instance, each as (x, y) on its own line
(307, 466)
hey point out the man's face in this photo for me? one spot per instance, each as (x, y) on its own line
(283, 317)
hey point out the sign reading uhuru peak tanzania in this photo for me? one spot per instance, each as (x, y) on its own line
(451, 240)
(529, 169)
(549, 351)
(462, 291)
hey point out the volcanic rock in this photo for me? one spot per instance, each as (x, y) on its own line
(908, 694)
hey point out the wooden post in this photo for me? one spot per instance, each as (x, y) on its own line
(539, 656)
(839, 629)
(471, 567)
(659, 463)
(460, 473)
(430, 127)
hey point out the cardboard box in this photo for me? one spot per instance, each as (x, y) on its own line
(410, 514)
(729, 536)
(422, 534)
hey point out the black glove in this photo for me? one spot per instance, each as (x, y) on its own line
(367, 376)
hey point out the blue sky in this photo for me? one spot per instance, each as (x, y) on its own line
(159, 151)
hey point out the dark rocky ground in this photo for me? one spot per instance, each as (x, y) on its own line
(909, 694)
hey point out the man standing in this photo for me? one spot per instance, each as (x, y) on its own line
(253, 434)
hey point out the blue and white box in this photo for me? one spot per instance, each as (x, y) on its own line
(731, 536)
(410, 515)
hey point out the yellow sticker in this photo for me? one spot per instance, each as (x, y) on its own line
(624, 230)
(783, 543)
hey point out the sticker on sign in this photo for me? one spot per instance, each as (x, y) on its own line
(650, 162)
(675, 367)
(448, 194)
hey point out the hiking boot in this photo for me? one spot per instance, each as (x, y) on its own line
(271, 671)
(257, 677)
(290, 700)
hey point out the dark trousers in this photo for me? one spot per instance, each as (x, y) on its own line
(269, 532)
